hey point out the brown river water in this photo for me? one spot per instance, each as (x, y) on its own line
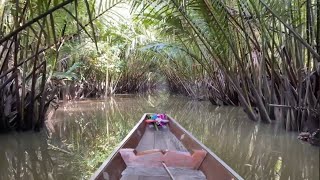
(82, 134)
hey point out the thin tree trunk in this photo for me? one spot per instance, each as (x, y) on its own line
(318, 28)
(107, 83)
(43, 96)
(16, 79)
(16, 71)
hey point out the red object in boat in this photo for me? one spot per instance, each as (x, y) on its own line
(153, 121)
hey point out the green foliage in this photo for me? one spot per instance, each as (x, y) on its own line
(32, 35)
(245, 52)
(69, 74)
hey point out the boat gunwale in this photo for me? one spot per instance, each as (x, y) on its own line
(225, 165)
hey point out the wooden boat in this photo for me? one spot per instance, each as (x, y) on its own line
(168, 153)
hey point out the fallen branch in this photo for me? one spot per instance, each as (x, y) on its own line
(295, 108)
(59, 149)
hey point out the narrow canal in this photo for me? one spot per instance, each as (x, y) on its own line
(82, 134)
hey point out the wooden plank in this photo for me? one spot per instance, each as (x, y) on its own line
(147, 140)
(173, 143)
(135, 177)
(155, 173)
(159, 140)
(170, 158)
(162, 139)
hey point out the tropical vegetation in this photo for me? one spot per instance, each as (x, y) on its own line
(262, 55)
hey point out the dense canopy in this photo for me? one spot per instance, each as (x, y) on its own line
(261, 55)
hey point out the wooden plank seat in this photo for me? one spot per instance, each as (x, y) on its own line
(157, 147)
(150, 173)
(156, 157)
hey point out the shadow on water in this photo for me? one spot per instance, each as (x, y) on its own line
(82, 134)
(29, 156)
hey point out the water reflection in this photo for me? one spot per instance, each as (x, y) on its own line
(28, 156)
(255, 151)
(82, 134)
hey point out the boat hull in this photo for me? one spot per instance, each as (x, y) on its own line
(212, 166)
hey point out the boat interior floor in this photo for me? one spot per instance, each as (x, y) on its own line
(161, 146)
(162, 139)
(150, 173)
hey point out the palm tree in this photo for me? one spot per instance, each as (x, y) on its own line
(31, 36)
(263, 53)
